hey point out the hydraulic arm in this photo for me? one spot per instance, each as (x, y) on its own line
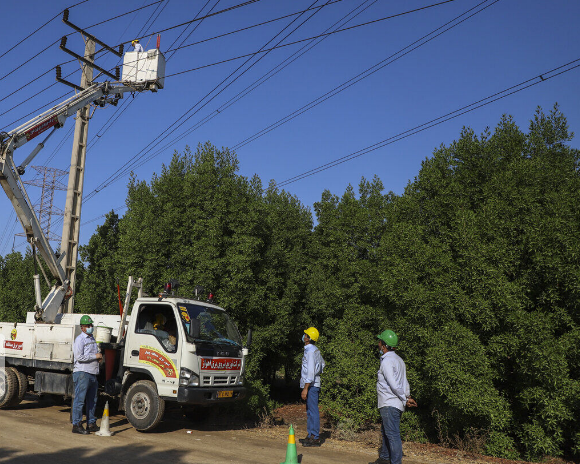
(98, 94)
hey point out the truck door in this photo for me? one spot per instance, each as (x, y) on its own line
(154, 346)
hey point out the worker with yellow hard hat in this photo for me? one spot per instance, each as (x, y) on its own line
(137, 46)
(312, 367)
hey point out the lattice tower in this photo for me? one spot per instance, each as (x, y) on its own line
(49, 181)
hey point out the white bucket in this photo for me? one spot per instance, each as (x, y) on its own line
(103, 334)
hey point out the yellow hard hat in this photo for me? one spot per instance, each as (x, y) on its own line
(160, 321)
(133, 42)
(312, 333)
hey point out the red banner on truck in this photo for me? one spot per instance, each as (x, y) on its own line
(12, 345)
(40, 128)
(221, 364)
(157, 359)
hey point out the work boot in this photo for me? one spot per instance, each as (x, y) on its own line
(93, 428)
(312, 442)
(381, 461)
(302, 440)
(79, 429)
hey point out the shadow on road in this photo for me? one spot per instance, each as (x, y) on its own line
(91, 454)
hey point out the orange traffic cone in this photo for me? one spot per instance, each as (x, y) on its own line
(104, 431)
(291, 453)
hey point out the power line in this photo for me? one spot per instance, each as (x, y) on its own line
(71, 33)
(267, 76)
(538, 79)
(119, 173)
(146, 159)
(39, 28)
(267, 50)
(369, 71)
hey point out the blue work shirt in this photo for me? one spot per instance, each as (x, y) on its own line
(392, 385)
(312, 366)
(85, 354)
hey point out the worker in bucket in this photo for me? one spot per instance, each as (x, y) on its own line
(312, 367)
(394, 394)
(86, 368)
(137, 46)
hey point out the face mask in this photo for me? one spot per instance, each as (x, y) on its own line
(90, 330)
(303, 338)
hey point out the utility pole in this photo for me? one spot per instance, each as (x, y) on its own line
(74, 194)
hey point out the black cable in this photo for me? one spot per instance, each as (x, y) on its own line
(267, 50)
(118, 174)
(144, 160)
(368, 72)
(267, 76)
(123, 14)
(39, 28)
(124, 106)
(255, 25)
(434, 122)
(27, 84)
(194, 29)
(71, 33)
(36, 110)
(200, 19)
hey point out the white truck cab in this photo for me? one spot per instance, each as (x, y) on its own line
(167, 350)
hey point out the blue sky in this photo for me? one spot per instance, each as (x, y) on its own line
(509, 42)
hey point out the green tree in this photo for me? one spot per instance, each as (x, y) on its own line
(97, 292)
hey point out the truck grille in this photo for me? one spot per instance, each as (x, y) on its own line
(218, 380)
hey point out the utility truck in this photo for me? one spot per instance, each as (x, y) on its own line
(166, 349)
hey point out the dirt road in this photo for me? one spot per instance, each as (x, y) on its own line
(40, 433)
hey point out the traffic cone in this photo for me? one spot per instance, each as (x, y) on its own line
(291, 453)
(104, 431)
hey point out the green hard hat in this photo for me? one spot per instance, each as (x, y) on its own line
(86, 320)
(389, 337)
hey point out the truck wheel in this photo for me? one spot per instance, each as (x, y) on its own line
(143, 406)
(22, 382)
(8, 387)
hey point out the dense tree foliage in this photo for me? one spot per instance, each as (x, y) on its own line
(476, 266)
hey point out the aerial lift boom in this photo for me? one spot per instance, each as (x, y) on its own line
(99, 94)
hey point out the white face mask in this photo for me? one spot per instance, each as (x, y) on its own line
(90, 330)
(303, 338)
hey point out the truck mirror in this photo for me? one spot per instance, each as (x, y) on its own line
(249, 339)
(194, 328)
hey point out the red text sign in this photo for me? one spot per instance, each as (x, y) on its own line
(40, 128)
(221, 364)
(12, 345)
(159, 360)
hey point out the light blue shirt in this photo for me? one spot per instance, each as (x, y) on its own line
(85, 354)
(392, 385)
(312, 366)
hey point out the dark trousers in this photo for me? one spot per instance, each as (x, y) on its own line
(86, 389)
(392, 445)
(312, 413)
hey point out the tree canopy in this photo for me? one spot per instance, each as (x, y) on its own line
(475, 266)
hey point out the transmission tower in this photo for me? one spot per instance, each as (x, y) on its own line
(49, 181)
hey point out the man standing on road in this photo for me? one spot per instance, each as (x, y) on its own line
(86, 368)
(312, 367)
(394, 394)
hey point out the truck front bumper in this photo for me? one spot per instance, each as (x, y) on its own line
(204, 395)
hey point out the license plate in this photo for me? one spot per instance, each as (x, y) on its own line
(225, 394)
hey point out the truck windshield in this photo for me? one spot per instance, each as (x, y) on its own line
(215, 325)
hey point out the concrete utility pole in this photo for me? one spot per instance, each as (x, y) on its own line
(74, 194)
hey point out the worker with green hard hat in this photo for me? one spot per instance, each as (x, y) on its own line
(393, 393)
(85, 370)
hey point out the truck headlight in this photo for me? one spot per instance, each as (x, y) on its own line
(241, 379)
(188, 378)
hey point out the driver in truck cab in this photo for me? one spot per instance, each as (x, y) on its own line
(86, 368)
